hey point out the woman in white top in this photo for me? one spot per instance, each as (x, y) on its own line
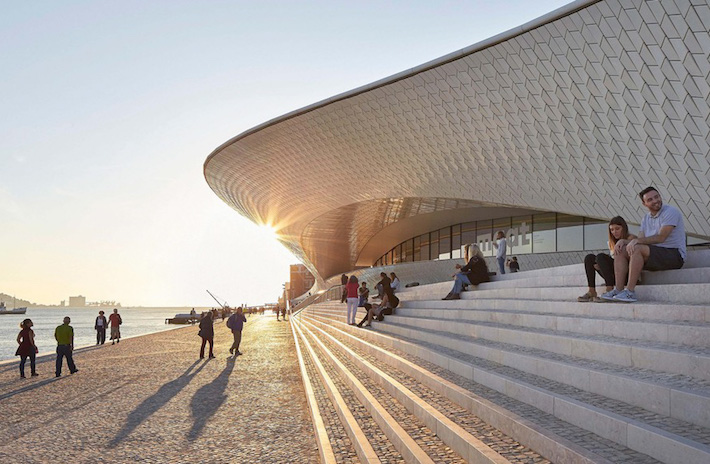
(395, 282)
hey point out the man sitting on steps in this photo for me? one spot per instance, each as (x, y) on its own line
(659, 246)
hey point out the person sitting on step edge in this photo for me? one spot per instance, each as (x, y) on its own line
(603, 263)
(659, 246)
(473, 273)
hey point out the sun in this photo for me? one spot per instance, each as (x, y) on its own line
(269, 231)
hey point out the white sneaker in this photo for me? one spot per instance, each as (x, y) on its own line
(610, 294)
(626, 296)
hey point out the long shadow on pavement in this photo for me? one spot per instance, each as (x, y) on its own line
(30, 387)
(153, 403)
(208, 399)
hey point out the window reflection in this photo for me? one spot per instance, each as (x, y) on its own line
(570, 233)
(544, 236)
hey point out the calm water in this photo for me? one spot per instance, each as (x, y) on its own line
(136, 321)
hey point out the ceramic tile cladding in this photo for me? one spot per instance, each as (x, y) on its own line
(575, 115)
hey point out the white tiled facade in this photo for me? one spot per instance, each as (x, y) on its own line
(575, 114)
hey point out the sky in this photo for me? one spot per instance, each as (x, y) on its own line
(108, 110)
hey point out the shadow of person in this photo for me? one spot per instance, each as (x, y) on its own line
(207, 400)
(153, 403)
(29, 387)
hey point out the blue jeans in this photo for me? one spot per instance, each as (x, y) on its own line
(460, 280)
(501, 264)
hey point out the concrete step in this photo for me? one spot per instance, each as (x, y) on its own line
(661, 442)
(362, 375)
(643, 311)
(660, 357)
(681, 294)
(684, 333)
(679, 397)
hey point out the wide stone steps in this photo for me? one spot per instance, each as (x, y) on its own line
(574, 382)
(398, 426)
(683, 398)
(557, 440)
(683, 333)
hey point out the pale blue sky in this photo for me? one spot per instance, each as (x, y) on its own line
(109, 109)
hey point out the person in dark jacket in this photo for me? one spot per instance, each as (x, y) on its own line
(206, 333)
(236, 323)
(100, 327)
(388, 298)
(344, 282)
(27, 347)
(473, 273)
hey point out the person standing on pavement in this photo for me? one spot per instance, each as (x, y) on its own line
(64, 334)
(236, 324)
(207, 333)
(116, 321)
(100, 327)
(501, 248)
(27, 348)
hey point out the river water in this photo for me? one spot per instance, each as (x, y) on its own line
(136, 321)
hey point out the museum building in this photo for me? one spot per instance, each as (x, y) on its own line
(545, 132)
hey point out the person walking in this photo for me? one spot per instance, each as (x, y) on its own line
(207, 333)
(501, 247)
(64, 334)
(27, 348)
(236, 324)
(344, 282)
(116, 321)
(100, 327)
(351, 288)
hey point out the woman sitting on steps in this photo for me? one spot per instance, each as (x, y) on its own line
(603, 263)
(473, 273)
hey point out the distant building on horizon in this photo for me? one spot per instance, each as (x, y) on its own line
(300, 280)
(77, 301)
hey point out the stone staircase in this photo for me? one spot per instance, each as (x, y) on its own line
(517, 371)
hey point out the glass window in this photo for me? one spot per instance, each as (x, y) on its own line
(390, 255)
(445, 243)
(570, 233)
(544, 237)
(426, 242)
(408, 251)
(417, 250)
(456, 242)
(595, 234)
(520, 238)
(468, 233)
(434, 245)
(398, 254)
(484, 235)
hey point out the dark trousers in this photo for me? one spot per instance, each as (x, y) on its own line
(23, 360)
(344, 296)
(237, 339)
(606, 269)
(62, 352)
(101, 335)
(202, 349)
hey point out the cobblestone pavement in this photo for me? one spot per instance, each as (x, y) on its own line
(150, 399)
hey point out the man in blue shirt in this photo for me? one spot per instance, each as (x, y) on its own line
(659, 246)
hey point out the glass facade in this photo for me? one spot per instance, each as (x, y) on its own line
(539, 233)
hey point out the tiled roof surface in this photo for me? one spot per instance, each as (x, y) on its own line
(575, 116)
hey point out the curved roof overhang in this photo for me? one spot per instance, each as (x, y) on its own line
(569, 113)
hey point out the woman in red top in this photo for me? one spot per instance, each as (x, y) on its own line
(351, 288)
(27, 348)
